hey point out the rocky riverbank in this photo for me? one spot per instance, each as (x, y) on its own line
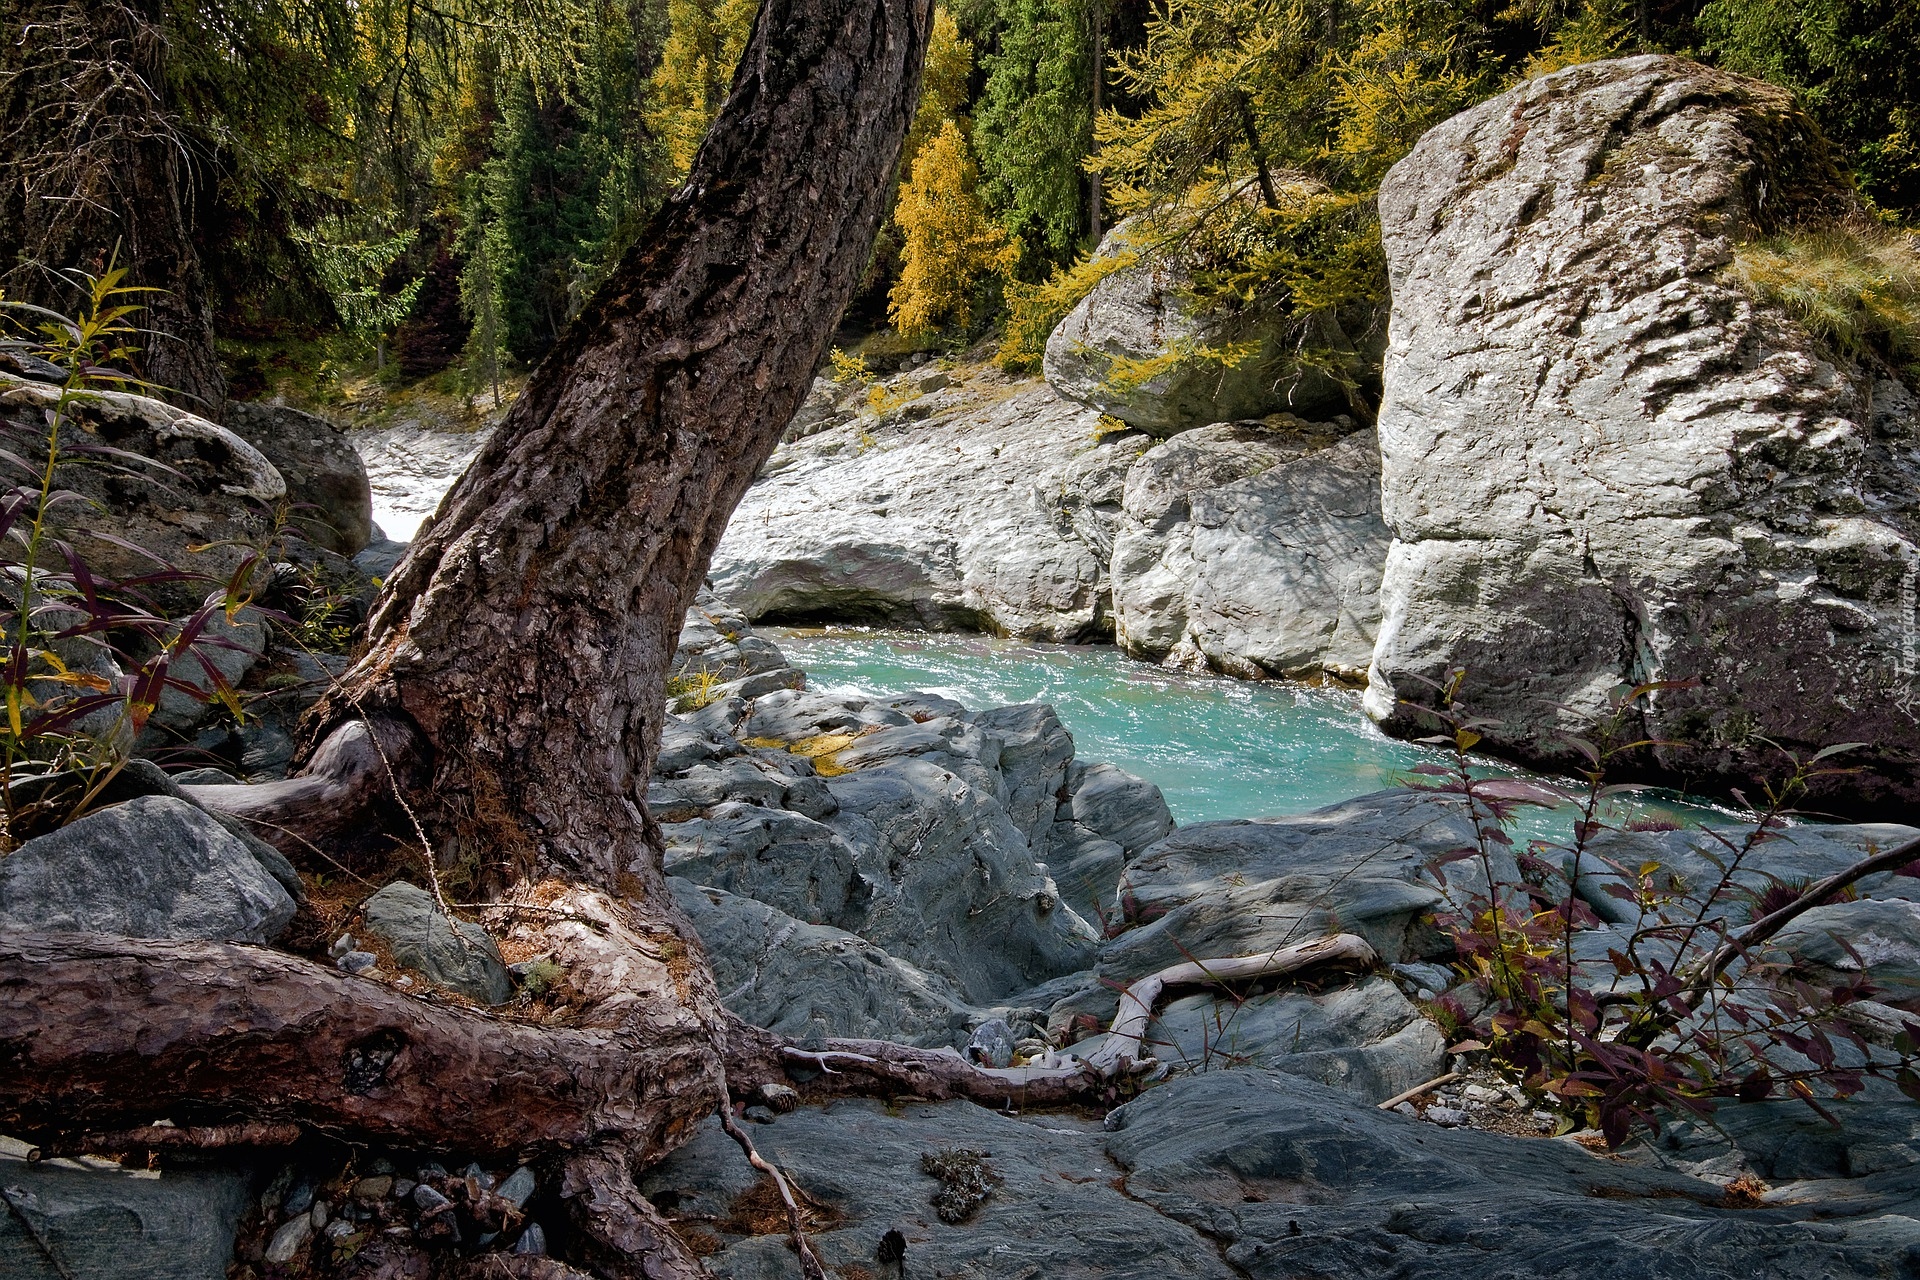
(909, 868)
(1600, 458)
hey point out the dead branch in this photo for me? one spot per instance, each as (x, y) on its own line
(796, 1226)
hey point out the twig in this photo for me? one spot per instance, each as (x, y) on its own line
(1408, 1095)
(1698, 976)
(809, 1263)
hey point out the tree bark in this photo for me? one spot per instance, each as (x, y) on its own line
(511, 698)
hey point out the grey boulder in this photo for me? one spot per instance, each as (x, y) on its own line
(201, 513)
(1605, 461)
(153, 867)
(419, 937)
(326, 480)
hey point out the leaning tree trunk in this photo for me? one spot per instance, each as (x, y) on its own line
(93, 157)
(513, 688)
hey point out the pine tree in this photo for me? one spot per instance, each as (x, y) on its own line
(704, 41)
(951, 246)
(1033, 126)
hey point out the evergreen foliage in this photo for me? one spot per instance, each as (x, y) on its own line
(341, 151)
(952, 248)
(1856, 66)
(1034, 126)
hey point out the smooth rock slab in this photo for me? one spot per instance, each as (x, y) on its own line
(110, 1224)
(1054, 1214)
(153, 867)
(1291, 1180)
(404, 917)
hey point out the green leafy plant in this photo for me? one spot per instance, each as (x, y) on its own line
(88, 658)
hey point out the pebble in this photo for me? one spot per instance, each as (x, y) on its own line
(532, 1241)
(476, 1174)
(1447, 1117)
(358, 961)
(761, 1115)
(1480, 1093)
(431, 1169)
(289, 1240)
(341, 945)
(321, 1212)
(403, 1187)
(426, 1199)
(991, 1044)
(339, 1229)
(375, 1188)
(300, 1199)
(518, 1188)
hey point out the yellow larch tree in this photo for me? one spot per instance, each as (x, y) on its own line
(951, 245)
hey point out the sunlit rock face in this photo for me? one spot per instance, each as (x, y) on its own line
(1604, 461)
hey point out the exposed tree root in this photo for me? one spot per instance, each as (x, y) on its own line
(796, 1226)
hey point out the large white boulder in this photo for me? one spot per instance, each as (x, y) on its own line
(1605, 462)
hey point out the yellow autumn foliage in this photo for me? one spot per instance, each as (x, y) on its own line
(943, 86)
(704, 41)
(950, 245)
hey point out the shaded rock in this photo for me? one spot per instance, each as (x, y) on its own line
(1140, 313)
(404, 917)
(1604, 462)
(1366, 1040)
(153, 867)
(231, 648)
(380, 557)
(1032, 755)
(1877, 939)
(991, 510)
(1693, 861)
(1291, 1179)
(1054, 1211)
(806, 980)
(214, 493)
(1108, 816)
(953, 882)
(68, 1220)
(326, 480)
(991, 1044)
(783, 859)
(1115, 805)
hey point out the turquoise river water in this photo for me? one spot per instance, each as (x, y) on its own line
(1218, 748)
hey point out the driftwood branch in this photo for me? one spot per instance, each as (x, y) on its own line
(864, 1067)
(1699, 976)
